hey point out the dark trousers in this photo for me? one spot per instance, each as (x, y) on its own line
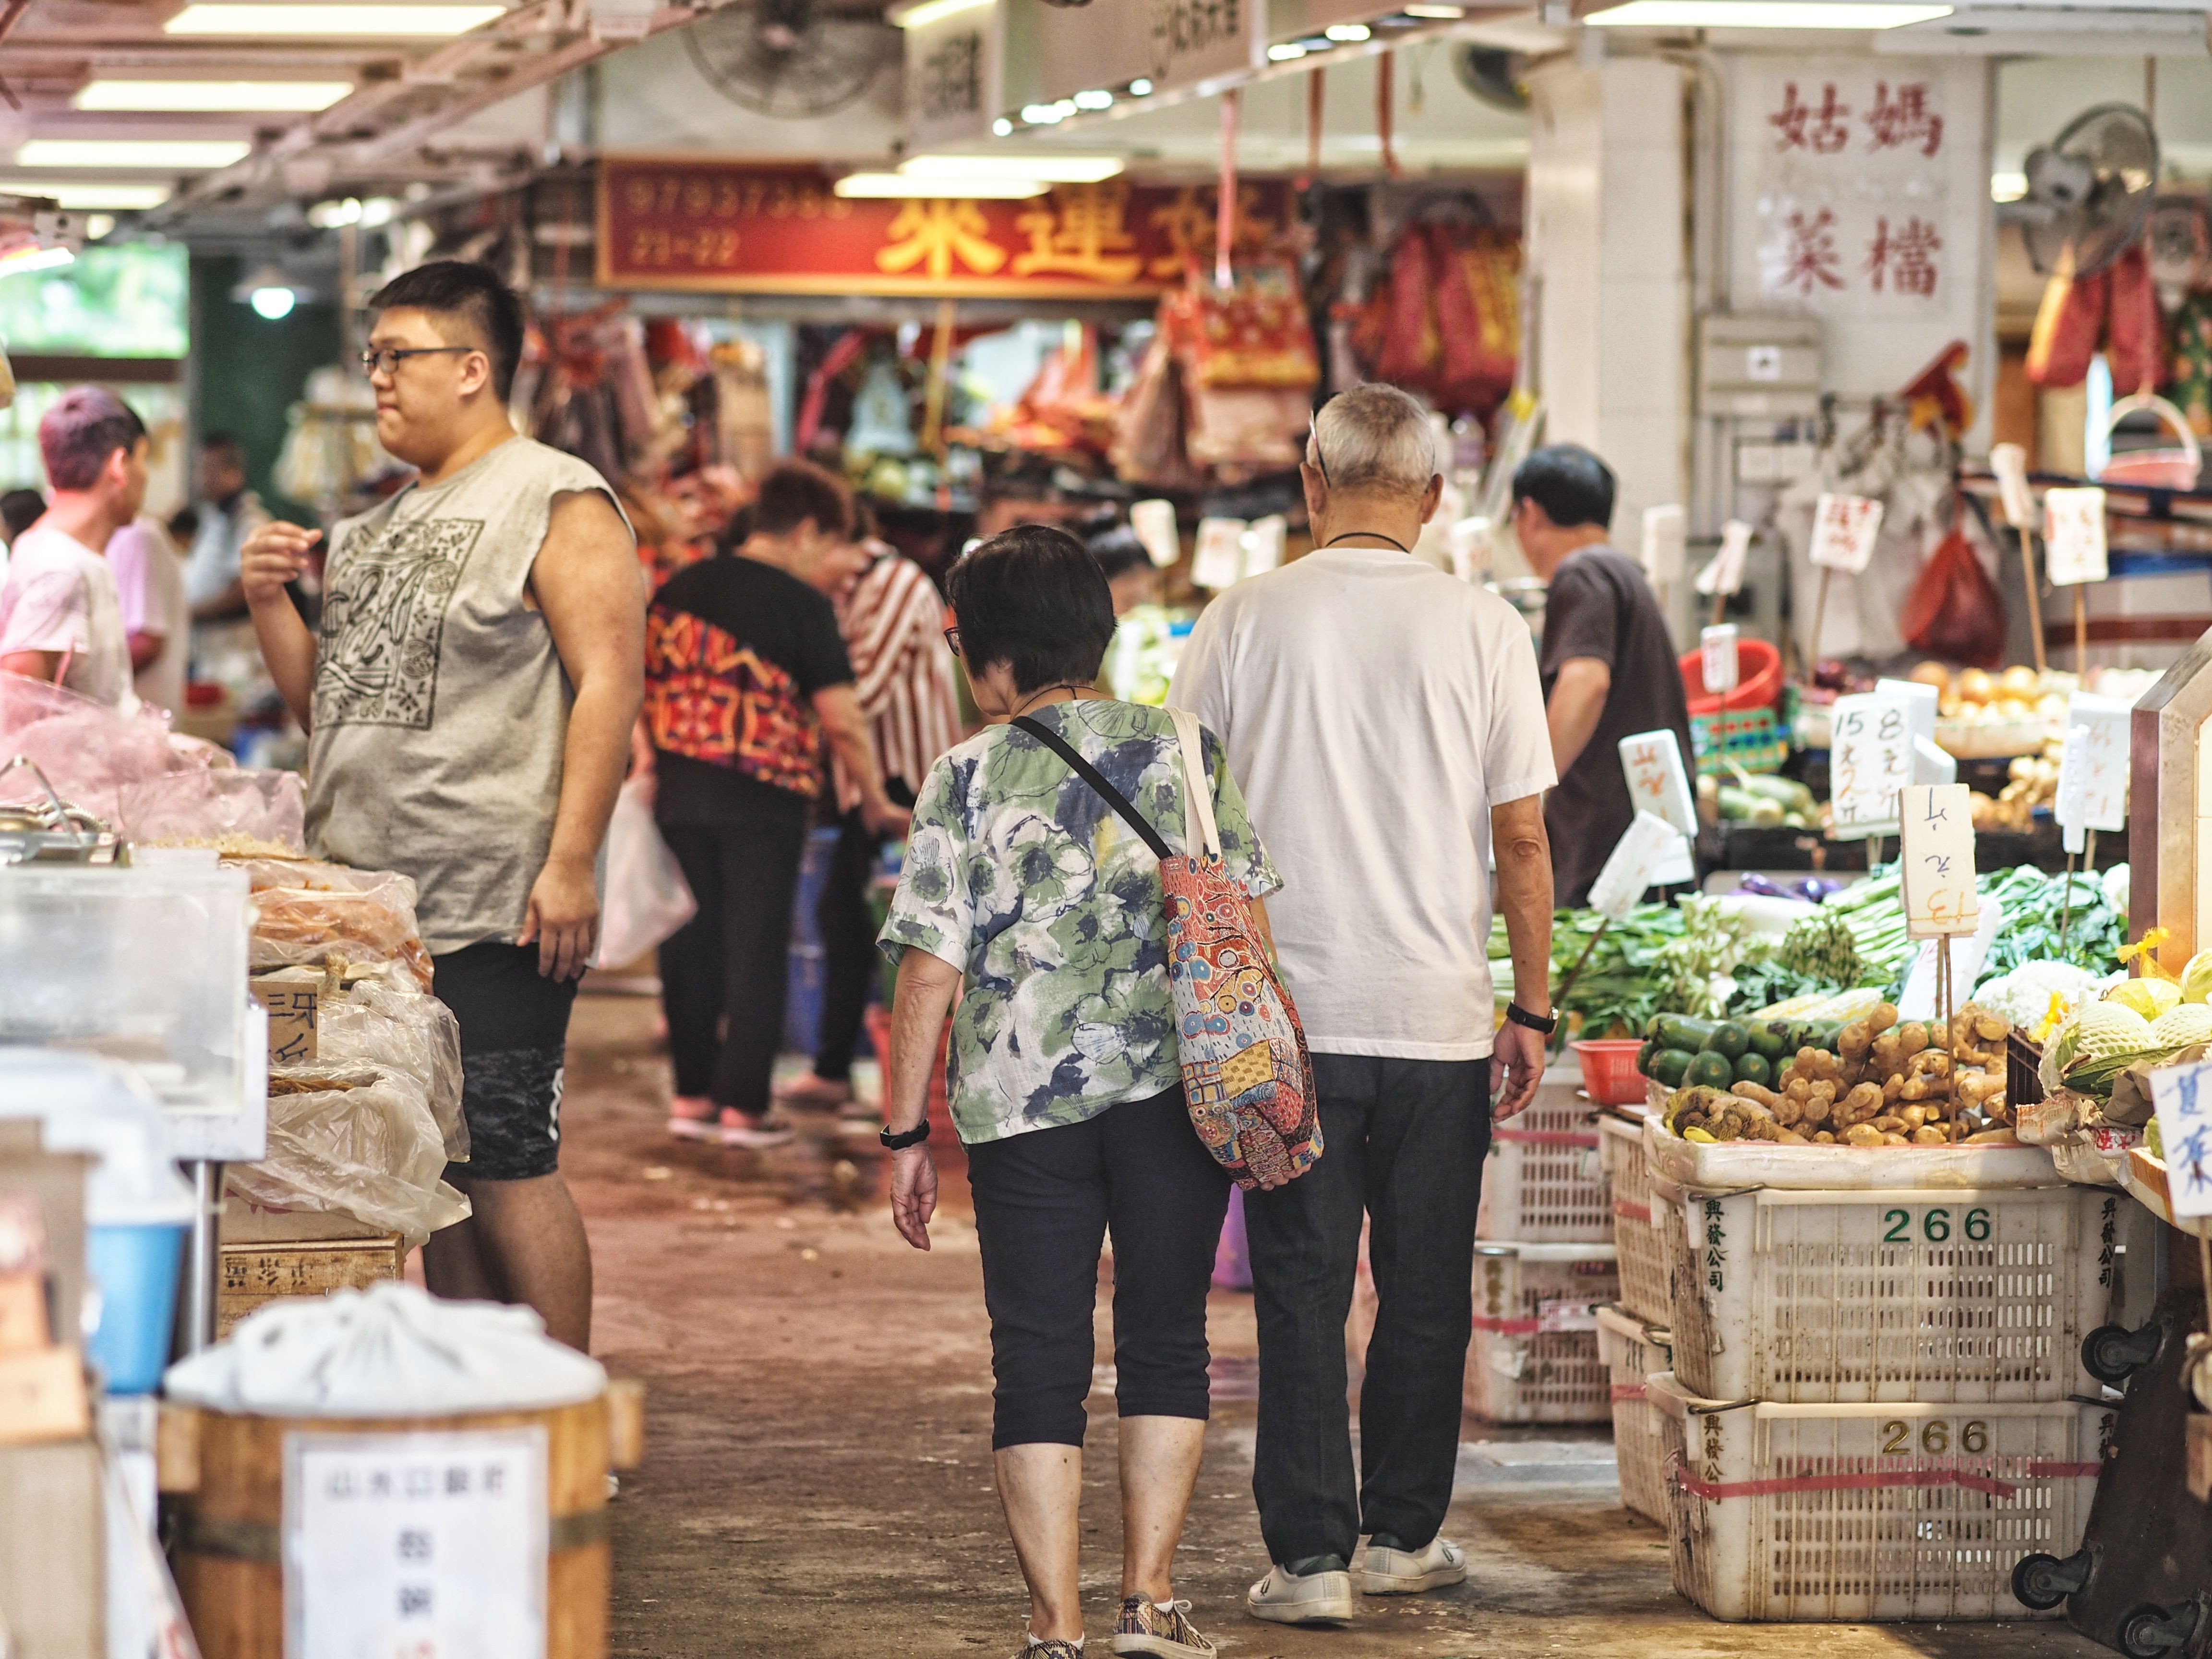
(848, 929)
(1044, 1202)
(724, 975)
(1405, 1143)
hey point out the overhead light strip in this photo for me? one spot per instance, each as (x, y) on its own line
(934, 187)
(330, 22)
(922, 16)
(88, 195)
(246, 97)
(167, 154)
(1051, 169)
(1765, 15)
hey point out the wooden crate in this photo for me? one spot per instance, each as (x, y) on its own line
(260, 1272)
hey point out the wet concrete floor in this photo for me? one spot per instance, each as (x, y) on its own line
(818, 1479)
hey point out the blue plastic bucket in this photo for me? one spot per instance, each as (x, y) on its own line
(136, 1268)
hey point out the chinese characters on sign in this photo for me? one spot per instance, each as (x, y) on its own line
(1870, 760)
(2074, 535)
(2182, 1097)
(1637, 860)
(1657, 781)
(1843, 531)
(1937, 860)
(420, 1546)
(1718, 665)
(2092, 772)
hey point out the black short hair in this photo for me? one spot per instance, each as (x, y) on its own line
(461, 288)
(228, 444)
(84, 427)
(795, 491)
(1118, 552)
(20, 509)
(1571, 484)
(1033, 598)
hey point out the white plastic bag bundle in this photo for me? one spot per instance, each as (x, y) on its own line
(365, 1146)
(647, 898)
(399, 1028)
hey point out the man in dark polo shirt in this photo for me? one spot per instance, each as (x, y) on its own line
(1609, 665)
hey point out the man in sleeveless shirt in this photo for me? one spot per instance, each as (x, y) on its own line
(469, 701)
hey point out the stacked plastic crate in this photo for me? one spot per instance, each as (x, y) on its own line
(1633, 1335)
(1877, 1406)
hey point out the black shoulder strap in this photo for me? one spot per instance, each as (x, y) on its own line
(1091, 776)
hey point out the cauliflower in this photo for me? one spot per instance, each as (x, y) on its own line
(2023, 998)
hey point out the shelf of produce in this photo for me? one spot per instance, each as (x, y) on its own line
(2143, 1177)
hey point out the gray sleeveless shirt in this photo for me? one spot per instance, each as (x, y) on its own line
(440, 706)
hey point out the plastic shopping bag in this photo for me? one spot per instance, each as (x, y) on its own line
(1954, 610)
(647, 898)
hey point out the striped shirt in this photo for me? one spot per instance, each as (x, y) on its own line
(893, 626)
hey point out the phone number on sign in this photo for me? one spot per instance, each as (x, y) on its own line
(668, 195)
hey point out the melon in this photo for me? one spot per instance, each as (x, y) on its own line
(2148, 997)
(2189, 1022)
(2196, 978)
(2102, 1030)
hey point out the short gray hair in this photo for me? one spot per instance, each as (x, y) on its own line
(1373, 437)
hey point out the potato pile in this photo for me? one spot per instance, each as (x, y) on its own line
(1919, 1084)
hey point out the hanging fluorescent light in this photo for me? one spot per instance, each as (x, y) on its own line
(1098, 98)
(1349, 33)
(31, 258)
(1002, 128)
(342, 22)
(169, 155)
(252, 97)
(1053, 169)
(1763, 15)
(938, 187)
(87, 196)
(1042, 115)
(1286, 51)
(1436, 14)
(922, 16)
(1140, 88)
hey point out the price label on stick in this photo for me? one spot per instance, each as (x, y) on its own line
(1937, 860)
(2010, 462)
(1843, 531)
(1219, 561)
(1263, 544)
(1919, 701)
(1633, 865)
(1724, 574)
(1665, 545)
(1719, 667)
(1870, 760)
(2097, 728)
(2182, 1096)
(1657, 781)
(2074, 535)
(1154, 521)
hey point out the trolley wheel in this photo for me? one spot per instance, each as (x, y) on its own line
(2111, 1353)
(2042, 1582)
(2149, 1632)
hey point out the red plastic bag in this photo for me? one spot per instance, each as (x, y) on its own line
(1954, 611)
(2069, 324)
(2135, 331)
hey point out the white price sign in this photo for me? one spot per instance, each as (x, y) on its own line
(1666, 543)
(1937, 860)
(1919, 699)
(1870, 760)
(1657, 781)
(2074, 535)
(2010, 462)
(2102, 724)
(1644, 849)
(2182, 1095)
(1718, 666)
(1843, 531)
(416, 1546)
(1154, 521)
(1263, 544)
(1219, 561)
(1725, 574)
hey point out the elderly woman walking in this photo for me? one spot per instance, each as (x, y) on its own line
(1022, 885)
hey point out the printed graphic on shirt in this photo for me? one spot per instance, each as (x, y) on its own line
(382, 621)
(710, 697)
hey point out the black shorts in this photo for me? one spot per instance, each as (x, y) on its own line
(515, 1035)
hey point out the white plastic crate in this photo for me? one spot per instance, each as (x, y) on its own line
(1633, 1352)
(1543, 1182)
(1884, 1511)
(1636, 1228)
(1534, 1358)
(1914, 1294)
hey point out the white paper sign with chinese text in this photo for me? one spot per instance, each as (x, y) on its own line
(2103, 725)
(1870, 760)
(1263, 544)
(1724, 574)
(2010, 462)
(1154, 521)
(1843, 531)
(1920, 699)
(1719, 662)
(1219, 561)
(1937, 860)
(2074, 536)
(2182, 1095)
(1666, 543)
(1658, 782)
(430, 1544)
(1637, 860)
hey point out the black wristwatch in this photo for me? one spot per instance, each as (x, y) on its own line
(1520, 1016)
(900, 1142)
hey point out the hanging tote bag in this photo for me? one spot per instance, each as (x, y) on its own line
(1246, 1075)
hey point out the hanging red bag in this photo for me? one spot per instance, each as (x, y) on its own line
(2134, 336)
(1954, 611)
(2069, 324)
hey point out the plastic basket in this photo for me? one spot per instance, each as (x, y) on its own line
(1752, 738)
(1541, 1182)
(1534, 1358)
(1609, 1073)
(1968, 1295)
(1637, 1233)
(1851, 1512)
(1632, 1350)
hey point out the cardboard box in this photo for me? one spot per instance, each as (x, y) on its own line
(43, 1397)
(53, 1562)
(256, 1275)
(293, 997)
(23, 1324)
(55, 1181)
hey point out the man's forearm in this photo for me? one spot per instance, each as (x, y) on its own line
(591, 762)
(289, 649)
(921, 1001)
(856, 753)
(1576, 705)
(1524, 897)
(231, 602)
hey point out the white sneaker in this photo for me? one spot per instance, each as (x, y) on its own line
(755, 1134)
(1283, 1597)
(1408, 1572)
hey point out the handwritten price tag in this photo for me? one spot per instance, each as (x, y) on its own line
(2010, 462)
(1918, 698)
(2074, 535)
(2182, 1095)
(1870, 760)
(1718, 665)
(1666, 544)
(1219, 561)
(1154, 521)
(1263, 544)
(1843, 531)
(2104, 722)
(1938, 860)
(1725, 574)
(1633, 865)
(1657, 781)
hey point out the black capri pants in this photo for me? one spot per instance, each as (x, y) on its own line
(1044, 1202)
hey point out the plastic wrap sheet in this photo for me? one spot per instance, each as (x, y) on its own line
(219, 807)
(360, 1141)
(402, 1030)
(88, 751)
(313, 913)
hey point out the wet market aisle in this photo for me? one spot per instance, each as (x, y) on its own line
(818, 1479)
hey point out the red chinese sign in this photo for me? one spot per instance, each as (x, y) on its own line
(730, 227)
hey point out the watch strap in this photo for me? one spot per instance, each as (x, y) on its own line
(1520, 1016)
(904, 1138)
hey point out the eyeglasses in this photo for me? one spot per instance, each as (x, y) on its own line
(1321, 461)
(952, 640)
(385, 360)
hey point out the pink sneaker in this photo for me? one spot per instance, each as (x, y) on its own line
(755, 1133)
(693, 1117)
(808, 1090)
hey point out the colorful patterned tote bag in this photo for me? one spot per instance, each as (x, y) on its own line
(1246, 1074)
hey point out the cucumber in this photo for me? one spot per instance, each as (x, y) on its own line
(1670, 1067)
(1644, 1056)
(1793, 797)
(1770, 1038)
(1680, 1031)
(1728, 1039)
(1709, 1069)
(1755, 1068)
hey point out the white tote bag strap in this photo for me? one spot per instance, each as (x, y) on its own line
(1199, 830)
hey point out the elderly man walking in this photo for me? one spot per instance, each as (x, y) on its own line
(1387, 724)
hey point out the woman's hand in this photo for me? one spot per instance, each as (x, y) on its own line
(914, 1194)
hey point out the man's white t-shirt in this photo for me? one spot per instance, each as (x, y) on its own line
(1375, 709)
(60, 595)
(149, 589)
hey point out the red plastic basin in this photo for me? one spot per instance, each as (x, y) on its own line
(1757, 679)
(1609, 1071)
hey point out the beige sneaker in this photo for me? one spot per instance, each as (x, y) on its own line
(1283, 1597)
(1147, 1627)
(1408, 1572)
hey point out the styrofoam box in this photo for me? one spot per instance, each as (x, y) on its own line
(1534, 1358)
(1970, 1295)
(1543, 1182)
(1632, 1350)
(1831, 1169)
(1885, 1511)
(1637, 1231)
